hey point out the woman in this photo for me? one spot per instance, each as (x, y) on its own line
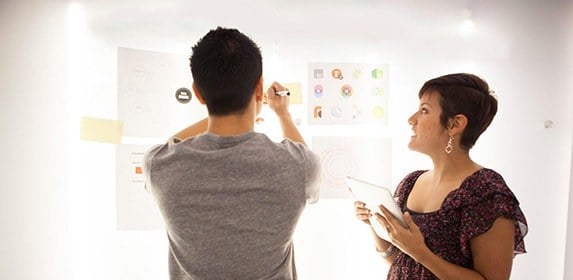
(463, 222)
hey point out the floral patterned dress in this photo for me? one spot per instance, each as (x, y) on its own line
(465, 213)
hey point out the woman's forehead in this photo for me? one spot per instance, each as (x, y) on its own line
(430, 97)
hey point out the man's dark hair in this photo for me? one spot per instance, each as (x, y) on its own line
(465, 94)
(226, 66)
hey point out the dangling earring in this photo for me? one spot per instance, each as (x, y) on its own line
(449, 147)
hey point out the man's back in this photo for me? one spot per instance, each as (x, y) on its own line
(231, 204)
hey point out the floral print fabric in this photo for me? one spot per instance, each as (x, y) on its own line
(465, 213)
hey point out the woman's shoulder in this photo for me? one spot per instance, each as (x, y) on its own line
(407, 183)
(484, 184)
(486, 180)
(414, 175)
(411, 178)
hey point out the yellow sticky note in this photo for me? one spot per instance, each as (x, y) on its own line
(295, 93)
(101, 130)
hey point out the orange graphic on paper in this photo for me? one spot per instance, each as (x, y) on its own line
(337, 74)
(318, 112)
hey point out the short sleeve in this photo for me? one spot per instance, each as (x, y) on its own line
(312, 168)
(147, 160)
(489, 202)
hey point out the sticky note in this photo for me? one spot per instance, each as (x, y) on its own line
(295, 96)
(101, 130)
(295, 92)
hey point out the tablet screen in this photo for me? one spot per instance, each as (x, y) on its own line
(373, 195)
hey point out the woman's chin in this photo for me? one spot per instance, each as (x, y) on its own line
(411, 146)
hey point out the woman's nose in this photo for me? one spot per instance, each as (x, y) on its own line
(411, 119)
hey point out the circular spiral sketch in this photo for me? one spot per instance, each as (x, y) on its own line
(337, 164)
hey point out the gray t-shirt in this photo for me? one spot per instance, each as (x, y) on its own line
(231, 204)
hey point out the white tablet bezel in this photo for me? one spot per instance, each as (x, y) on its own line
(374, 195)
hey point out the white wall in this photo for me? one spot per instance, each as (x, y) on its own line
(568, 274)
(34, 236)
(58, 205)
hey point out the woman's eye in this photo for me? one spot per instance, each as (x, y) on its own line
(423, 111)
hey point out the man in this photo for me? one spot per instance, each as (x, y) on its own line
(231, 197)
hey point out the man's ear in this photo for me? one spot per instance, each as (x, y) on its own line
(259, 90)
(458, 124)
(198, 94)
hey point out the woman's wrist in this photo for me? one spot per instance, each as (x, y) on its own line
(424, 256)
(387, 252)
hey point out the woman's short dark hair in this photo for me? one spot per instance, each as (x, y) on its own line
(465, 94)
(226, 66)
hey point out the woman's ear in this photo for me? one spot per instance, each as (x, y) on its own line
(198, 94)
(457, 124)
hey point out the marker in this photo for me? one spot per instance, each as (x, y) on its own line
(282, 93)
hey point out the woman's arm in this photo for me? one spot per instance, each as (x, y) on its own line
(492, 251)
(386, 249)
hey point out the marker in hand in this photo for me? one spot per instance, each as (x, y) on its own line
(282, 93)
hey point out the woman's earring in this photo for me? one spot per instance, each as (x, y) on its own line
(449, 147)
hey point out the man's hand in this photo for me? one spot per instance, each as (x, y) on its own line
(277, 103)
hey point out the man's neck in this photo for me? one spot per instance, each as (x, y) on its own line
(231, 125)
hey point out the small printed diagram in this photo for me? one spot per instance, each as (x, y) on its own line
(154, 96)
(347, 93)
(369, 159)
(135, 208)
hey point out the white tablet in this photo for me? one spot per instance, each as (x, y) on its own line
(373, 195)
